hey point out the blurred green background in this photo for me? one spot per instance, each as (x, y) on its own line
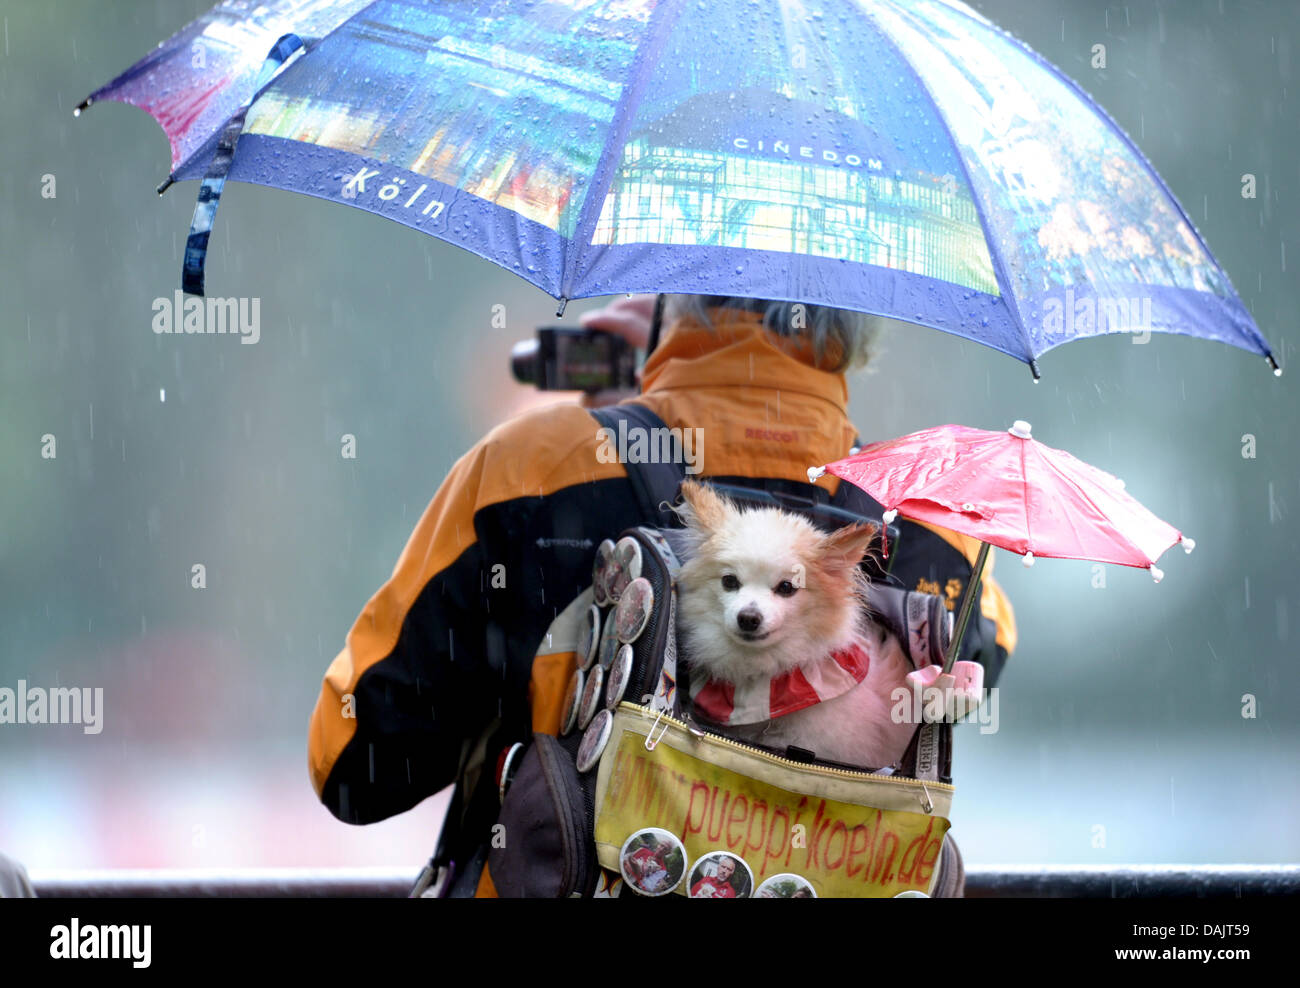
(1121, 736)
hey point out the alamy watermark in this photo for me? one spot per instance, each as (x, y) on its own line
(637, 444)
(1090, 314)
(194, 315)
(102, 942)
(58, 705)
(932, 705)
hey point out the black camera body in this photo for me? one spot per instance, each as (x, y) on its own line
(567, 358)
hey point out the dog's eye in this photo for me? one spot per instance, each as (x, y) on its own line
(786, 589)
(729, 582)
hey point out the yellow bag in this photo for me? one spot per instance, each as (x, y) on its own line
(847, 833)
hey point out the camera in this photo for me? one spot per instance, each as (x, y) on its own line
(566, 358)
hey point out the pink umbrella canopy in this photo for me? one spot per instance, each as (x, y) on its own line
(1009, 490)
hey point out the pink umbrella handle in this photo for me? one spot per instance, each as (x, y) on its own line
(967, 605)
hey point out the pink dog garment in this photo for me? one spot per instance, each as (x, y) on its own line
(828, 677)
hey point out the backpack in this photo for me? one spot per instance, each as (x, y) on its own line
(632, 797)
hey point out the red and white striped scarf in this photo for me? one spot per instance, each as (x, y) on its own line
(762, 700)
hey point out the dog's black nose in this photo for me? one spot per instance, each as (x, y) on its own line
(748, 621)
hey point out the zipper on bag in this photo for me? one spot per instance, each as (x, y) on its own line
(695, 731)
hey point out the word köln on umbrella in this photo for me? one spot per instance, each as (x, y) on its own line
(1071, 317)
(390, 190)
(194, 315)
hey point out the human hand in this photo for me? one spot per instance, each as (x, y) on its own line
(629, 317)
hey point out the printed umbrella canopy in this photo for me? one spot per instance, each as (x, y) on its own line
(905, 159)
(1007, 489)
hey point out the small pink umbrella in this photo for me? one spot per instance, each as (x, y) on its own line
(1009, 490)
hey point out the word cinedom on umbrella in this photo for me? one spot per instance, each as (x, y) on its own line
(784, 149)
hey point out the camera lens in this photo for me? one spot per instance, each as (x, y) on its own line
(523, 361)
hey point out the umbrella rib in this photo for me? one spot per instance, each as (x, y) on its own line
(995, 253)
(1024, 480)
(662, 21)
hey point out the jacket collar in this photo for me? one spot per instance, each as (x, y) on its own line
(738, 352)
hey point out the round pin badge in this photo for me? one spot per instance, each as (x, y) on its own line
(615, 579)
(572, 694)
(652, 861)
(633, 612)
(589, 638)
(601, 572)
(619, 673)
(594, 740)
(627, 563)
(720, 875)
(592, 692)
(608, 643)
(506, 766)
(786, 886)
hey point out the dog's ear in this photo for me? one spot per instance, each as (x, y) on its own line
(846, 546)
(704, 507)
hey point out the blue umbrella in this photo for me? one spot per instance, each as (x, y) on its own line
(910, 159)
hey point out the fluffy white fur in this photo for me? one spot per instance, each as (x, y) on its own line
(739, 622)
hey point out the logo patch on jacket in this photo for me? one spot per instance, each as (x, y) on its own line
(768, 434)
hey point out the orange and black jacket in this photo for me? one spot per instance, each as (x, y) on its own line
(437, 673)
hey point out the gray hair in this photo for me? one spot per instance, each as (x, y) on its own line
(852, 334)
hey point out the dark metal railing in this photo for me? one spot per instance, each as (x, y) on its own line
(996, 882)
(1133, 882)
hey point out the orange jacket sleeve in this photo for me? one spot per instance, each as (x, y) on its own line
(448, 640)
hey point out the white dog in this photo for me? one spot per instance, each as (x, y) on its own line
(775, 633)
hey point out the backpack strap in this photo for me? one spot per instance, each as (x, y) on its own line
(920, 621)
(655, 485)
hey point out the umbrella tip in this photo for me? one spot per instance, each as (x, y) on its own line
(1157, 574)
(166, 184)
(1277, 371)
(1029, 559)
(1188, 544)
(76, 110)
(815, 473)
(889, 516)
(1033, 369)
(560, 309)
(1021, 429)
